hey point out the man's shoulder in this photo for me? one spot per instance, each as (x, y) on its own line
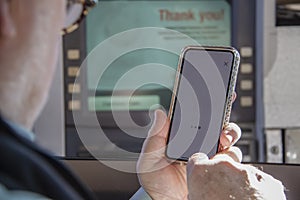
(13, 145)
(26, 166)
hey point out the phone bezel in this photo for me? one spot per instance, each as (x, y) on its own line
(229, 92)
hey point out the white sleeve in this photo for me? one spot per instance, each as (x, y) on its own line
(140, 195)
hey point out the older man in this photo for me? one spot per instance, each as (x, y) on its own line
(29, 41)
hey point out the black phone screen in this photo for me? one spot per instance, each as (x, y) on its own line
(198, 108)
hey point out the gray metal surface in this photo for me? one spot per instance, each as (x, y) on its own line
(281, 84)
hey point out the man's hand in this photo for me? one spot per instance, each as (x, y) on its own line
(223, 178)
(160, 178)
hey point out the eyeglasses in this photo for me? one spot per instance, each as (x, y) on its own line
(76, 12)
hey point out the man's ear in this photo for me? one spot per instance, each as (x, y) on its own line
(7, 26)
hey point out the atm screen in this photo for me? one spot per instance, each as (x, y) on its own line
(137, 44)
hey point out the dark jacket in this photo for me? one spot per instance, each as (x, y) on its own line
(26, 166)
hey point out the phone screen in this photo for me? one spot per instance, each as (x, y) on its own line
(199, 105)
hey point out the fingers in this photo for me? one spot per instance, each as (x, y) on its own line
(230, 155)
(196, 159)
(233, 96)
(230, 135)
(232, 179)
(233, 153)
(225, 141)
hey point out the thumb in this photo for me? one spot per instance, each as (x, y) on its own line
(160, 125)
(153, 151)
(157, 136)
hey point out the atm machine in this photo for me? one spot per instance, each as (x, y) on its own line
(80, 103)
(231, 23)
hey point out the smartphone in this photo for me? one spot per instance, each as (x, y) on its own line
(201, 101)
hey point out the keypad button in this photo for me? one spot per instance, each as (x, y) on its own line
(73, 54)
